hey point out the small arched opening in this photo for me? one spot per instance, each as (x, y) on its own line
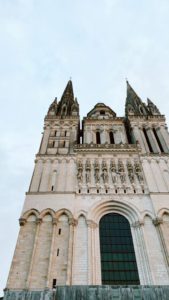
(98, 141)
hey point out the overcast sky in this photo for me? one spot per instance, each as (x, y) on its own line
(43, 43)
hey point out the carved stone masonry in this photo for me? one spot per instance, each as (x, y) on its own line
(121, 171)
(157, 221)
(113, 172)
(88, 171)
(130, 171)
(96, 172)
(138, 172)
(104, 172)
(80, 172)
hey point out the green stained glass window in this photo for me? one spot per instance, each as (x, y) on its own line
(118, 261)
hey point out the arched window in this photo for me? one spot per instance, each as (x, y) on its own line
(97, 137)
(111, 135)
(118, 262)
(147, 140)
(158, 140)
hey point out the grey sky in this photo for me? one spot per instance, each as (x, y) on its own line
(42, 43)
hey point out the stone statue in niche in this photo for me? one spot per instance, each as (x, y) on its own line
(88, 171)
(96, 172)
(130, 171)
(113, 172)
(80, 172)
(121, 172)
(104, 172)
(139, 172)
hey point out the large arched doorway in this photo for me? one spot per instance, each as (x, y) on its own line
(118, 261)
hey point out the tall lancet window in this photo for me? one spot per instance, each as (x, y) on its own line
(98, 137)
(118, 261)
(111, 135)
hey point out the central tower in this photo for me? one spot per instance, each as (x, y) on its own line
(97, 208)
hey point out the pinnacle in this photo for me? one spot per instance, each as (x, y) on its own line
(68, 93)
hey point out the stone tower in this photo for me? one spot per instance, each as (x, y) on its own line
(97, 210)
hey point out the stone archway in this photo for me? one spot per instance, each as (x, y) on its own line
(118, 261)
(95, 214)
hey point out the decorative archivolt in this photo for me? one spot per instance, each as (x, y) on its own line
(40, 215)
(162, 212)
(101, 208)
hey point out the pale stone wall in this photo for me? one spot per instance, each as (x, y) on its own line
(40, 261)
(155, 253)
(23, 255)
(59, 253)
(80, 256)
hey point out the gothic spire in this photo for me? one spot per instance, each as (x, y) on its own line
(152, 107)
(134, 105)
(67, 106)
(68, 95)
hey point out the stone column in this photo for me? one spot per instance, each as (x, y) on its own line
(45, 176)
(90, 253)
(143, 265)
(162, 139)
(84, 135)
(152, 140)
(164, 133)
(72, 224)
(144, 141)
(54, 175)
(102, 136)
(88, 135)
(149, 175)
(98, 279)
(138, 137)
(158, 176)
(155, 253)
(34, 186)
(49, 279)
(61, 176)
(164, 171)
(28, 283)
(158, 223)
(45, 139)
(70, 176)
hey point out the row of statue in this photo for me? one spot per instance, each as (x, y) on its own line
(116, 172)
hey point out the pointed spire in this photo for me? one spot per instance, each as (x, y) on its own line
(132, 97)
(134, 105)
(152, 107)
(68, 95)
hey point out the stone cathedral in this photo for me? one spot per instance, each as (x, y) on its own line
(97, 209)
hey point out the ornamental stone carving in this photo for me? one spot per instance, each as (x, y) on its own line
(113, 172)
(130, 171)
(138, 172)
(96, 172)
(88, 171)
(104, 172)
(80, 172)
(121, 172)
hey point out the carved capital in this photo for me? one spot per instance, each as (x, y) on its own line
(72, 222)
(22, 221)
(91, 224)
(39, 221)
(137, 224)
(54, 221)
(157, 221)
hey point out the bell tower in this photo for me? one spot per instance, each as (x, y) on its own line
(97, 209)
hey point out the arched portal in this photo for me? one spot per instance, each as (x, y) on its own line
(118, 261)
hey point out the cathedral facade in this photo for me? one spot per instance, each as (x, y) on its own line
(97, 209)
